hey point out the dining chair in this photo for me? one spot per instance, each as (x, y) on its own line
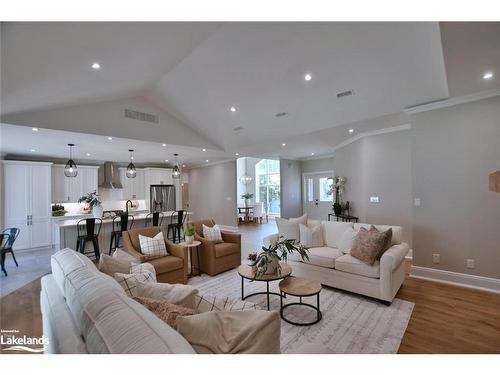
(258, 212)
(177, 220)
(154, 219)
(7, 240)
(120, 224)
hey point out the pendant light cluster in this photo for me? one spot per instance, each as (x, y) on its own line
(176, 171)
(70, 169)
(131, 171)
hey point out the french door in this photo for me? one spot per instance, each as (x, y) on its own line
(317, 197)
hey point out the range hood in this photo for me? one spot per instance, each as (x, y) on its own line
(111, 177)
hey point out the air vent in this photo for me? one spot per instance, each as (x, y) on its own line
(281, 114)
(343, 94)
(238, 128)
(141, 116)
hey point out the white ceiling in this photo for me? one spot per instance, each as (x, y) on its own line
(52, 144)
(197, 71)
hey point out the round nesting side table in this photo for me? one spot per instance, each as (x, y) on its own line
(190, 247)
(300, 287)
(246, 272)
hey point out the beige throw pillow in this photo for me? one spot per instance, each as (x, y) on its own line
(370, 244)
(347, 240)
(123, 255)
(289, 228)
(311, 236)
(110, 265)
(166, 311)
(232, 332)
(178, 294)
(153, 247)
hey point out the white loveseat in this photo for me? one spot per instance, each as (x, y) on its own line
(330, 266)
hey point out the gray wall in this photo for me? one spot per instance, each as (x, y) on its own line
(291, 188)
(212, 193)
(453, 151)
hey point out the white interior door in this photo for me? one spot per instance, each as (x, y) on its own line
(317, 199)
(41, 234)
(18, 201)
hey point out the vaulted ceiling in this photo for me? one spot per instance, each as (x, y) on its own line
(193, 73)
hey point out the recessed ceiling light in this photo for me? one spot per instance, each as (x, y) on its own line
(232, 109)
(488, 75)
(87, 154)
(183, 165)
(351, 130)
(203, 149)
(283, 144)
(96, 66)
(166, 160)
(110, 138)
(312, 153)
(206, 160)
(32, 150)
(164, 144)
(308, 77)
(34, 129)
(237, 154)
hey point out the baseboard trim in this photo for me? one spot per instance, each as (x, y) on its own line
(455, 278)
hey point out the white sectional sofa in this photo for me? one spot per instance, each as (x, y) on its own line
(330, 266)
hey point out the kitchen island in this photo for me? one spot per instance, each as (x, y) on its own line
(65, 231)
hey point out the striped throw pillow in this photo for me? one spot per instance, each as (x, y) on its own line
(212, 233)
(153, 247)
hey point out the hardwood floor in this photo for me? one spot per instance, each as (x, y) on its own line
(446, 318)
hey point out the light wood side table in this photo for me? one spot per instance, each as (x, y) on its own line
(191, 246)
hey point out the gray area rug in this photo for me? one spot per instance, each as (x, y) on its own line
(350, 324)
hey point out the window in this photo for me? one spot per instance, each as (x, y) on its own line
(325, 194)
(267, 181)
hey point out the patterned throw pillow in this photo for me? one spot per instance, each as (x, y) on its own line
(143, 268)
(212, 233)
(208, 303)
(369, 244)
(129, 281)
(153, 247)
(166, 311)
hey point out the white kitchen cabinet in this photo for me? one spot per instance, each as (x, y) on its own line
(70, 189)
(27, 202)
(133, 188)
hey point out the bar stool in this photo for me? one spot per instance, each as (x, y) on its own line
(87, 230)
(121, 224)
(156, 218)
(178, 225)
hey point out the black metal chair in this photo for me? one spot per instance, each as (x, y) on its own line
(179, 217)
(7, 239)
(121, 224)
(87, 230)
(154, 218)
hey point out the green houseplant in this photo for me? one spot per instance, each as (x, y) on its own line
(268, 261)
(247, 197)
(94, 202)
(189, 234)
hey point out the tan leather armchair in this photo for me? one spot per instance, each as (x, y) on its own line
(217, 257)
(172, 268)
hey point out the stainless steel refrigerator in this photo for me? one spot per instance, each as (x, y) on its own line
(161, 198)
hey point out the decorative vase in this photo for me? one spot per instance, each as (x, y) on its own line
(337, 209)
(189, 239)
(97, 211)
(273, 265)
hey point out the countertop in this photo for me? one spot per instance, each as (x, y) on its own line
(65, 222)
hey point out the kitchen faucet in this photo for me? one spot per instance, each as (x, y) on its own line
(126, 205)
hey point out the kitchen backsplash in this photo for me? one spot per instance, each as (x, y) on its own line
(107, 205)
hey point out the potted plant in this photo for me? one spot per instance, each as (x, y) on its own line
(247, 197)
(268, 261)
(94, 201)
(189, 234)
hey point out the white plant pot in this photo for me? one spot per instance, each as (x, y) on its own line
(248, 202)
(97, 212)
(273, 266)
(189, 239)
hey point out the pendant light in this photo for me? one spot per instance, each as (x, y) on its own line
(131, 172)
(70, 169)
(176, 171)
